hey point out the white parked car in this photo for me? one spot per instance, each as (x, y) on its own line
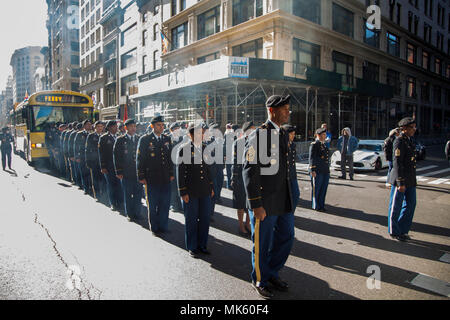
(368, 156)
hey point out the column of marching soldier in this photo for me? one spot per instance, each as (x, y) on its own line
(118, 169)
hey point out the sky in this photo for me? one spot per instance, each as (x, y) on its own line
(22, 24)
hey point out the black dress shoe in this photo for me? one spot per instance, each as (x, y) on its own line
(398, 237)
(351, 178)
(264, 292)
(279, 284)
(193, 254)
(341, 177)
(406, 237)
(156, 234)
(204, 251)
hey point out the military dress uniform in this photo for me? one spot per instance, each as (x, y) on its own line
(64, 142)
(6, 139)
(292, 168)
(80, 159)
(402, 204)
(195, 180)
(237, 182)
(154, 164)
(93, 164)
(71, 152)
(105, 151)
(125, 164)
(267, 185)
(175, 201)
(319, 162)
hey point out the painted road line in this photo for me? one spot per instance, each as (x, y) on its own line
(433, 173)
(382, 178)
(435, 285)
(421, 179)
(361, 175)
(439, 181)
(426, 168)
(445, 258)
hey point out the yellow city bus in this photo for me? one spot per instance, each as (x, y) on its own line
(32, 117)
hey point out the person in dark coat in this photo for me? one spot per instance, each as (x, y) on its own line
(80, 156)
(319, 168)
(196, 189)
(71, 152)
(292, 164)
(387, 148)
(175, 136)
(93, 162)
(237, 182)
(269, 198)
(63, 140)
(6, 139)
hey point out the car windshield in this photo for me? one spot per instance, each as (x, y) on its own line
(369, 147)
(43, 115)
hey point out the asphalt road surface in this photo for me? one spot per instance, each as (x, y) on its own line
(57, 243)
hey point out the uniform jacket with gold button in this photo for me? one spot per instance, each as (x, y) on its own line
(319, 160)
(404, 162)
(273, 192)
(124, 152)
(154, 159)
(194, 179)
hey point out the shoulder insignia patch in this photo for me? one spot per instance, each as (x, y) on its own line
(397, 152)
(251, 154)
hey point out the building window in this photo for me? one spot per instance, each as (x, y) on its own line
(410, 21)
(179, 36)
(437, 66)
(156, 60)
(208, 58)
(144, 64)
(371, 35)
(307, 9)
(155, 31)
(129, 85)
(173, 9)
(144, 37)
(129, 36)
(393, 44)
(371, 71)
(411, 53)
(128, 59)
(399, 13)
(427, 32)
(437, 96)
(342, 20)
(416, 25)
(410, 87)
(393, 79)
(425, 60)
(306, 54)
(439, 40)
(208, 23)
(251, 49)
(343, 64)
(244, 10)
(182, 5)
(425, 91)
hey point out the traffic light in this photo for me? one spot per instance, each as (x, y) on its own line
(208, 103)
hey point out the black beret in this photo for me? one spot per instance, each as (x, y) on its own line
(62, 126)
(111, 123)
(86, 121)
(157, 119)
(234, 127)
(214, 126)
(79, 126)
(289, 128)
(174, 125)
(74, 124)
(321, 130)
(406, 122)
(247, 125)
(277, 101)
(130, 121)
(205, 126)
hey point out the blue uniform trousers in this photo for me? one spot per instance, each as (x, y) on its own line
(98, 184)
(218, 182)
(229, 173)
(175, 201)
(319, 186)
(401, 210)
(272, 242)
(158, 203)
(114, 188)
(295, 191)
(75, 173)
(83, 172)
(197, 217)
(6, 157)
(132, 195)
(391, 165)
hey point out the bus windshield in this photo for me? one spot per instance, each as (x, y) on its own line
(43, 115)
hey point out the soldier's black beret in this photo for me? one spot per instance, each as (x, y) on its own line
(130, 121)
(174, 126)
(289, 128)
(276, 101)
(62, 126)
(247, 125)
(214, 126)
(235, 127)
(205, 126)
(97, 123)
(86, 121)
(111, 123)
(74, 124)
(194, 126)
(406, 122)
(157, 119)
(321, 130)
(79, 126)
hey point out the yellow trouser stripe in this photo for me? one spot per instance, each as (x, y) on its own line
(258, 271)
(93, 188)
(146, 197)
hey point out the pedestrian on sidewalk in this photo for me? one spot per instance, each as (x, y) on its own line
(403, 180)
(347, 144)
(6, 139)
(387, 148)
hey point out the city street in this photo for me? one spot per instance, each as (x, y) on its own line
(57, 243)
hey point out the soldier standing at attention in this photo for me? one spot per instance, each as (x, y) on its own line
(155, 172)
(6, 139)
(266, 181)
(319, 168)
(71, 151)
(64, 139)
(175, 135)
(125, 164)
(80, 156)
(105, 151)
(195, 185)
(292, 167)
(59, 153)
(403, 180)
(93, 163)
